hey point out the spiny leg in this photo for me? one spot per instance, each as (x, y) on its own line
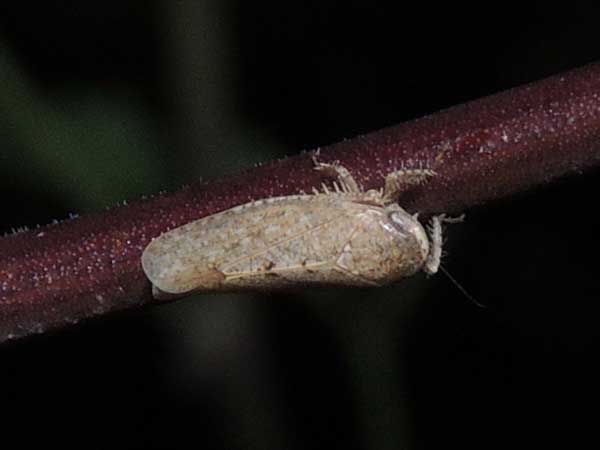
(395, 181)
(435, 246)
(347, 181)
(436, 241)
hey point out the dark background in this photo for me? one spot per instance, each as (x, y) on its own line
(106, 101)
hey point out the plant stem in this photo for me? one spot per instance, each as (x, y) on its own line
(482, 150)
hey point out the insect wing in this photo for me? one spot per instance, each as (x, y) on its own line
(286, 235)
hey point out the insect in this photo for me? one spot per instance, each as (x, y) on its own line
(342, 237)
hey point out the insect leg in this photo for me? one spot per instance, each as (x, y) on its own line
(347, 181)
(436, 241)
(435, 246)
(396, 181)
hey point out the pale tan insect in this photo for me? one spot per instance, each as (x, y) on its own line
(347, 237)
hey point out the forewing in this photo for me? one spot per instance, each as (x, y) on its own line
(277, 234)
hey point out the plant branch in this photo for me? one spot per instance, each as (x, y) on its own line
(490, 148)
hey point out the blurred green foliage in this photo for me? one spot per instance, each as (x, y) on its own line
(90, 148)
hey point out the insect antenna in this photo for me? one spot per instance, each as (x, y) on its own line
(460, 287)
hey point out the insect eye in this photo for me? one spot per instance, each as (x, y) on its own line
(402, 222)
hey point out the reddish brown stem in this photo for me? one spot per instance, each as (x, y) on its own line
(489, 148)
